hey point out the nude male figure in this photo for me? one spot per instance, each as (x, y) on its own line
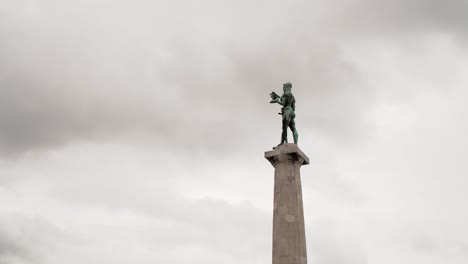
(288, 102)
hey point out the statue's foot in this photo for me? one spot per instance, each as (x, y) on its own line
(278, 145)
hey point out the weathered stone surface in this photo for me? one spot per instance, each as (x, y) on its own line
(289, 243)
(287, 148)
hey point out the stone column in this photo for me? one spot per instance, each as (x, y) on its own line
(289, 243)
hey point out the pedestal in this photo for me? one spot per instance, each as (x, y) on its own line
(289, 243)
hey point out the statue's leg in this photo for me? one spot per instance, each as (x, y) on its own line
(292, 126)
(284, 134)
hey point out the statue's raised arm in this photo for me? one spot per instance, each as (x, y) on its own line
(274, 97)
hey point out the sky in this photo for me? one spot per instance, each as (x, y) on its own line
(134, 131)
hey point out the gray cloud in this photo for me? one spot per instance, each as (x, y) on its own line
(87, 72)
(72, 75)
(400, 17)
(26, 239)
(423, 243)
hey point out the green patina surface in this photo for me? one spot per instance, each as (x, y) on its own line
(288, 102)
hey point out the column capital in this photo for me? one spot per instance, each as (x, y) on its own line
(285, 152)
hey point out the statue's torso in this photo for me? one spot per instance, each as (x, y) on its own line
(289, 100)
(288, 105)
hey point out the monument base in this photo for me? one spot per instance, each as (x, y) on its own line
(289, 243)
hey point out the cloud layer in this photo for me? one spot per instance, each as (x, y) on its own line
(135, 130)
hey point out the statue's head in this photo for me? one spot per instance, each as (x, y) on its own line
(287, 87)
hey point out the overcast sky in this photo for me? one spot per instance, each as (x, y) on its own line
(134, 131)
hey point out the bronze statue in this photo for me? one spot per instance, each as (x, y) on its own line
(288, 102)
